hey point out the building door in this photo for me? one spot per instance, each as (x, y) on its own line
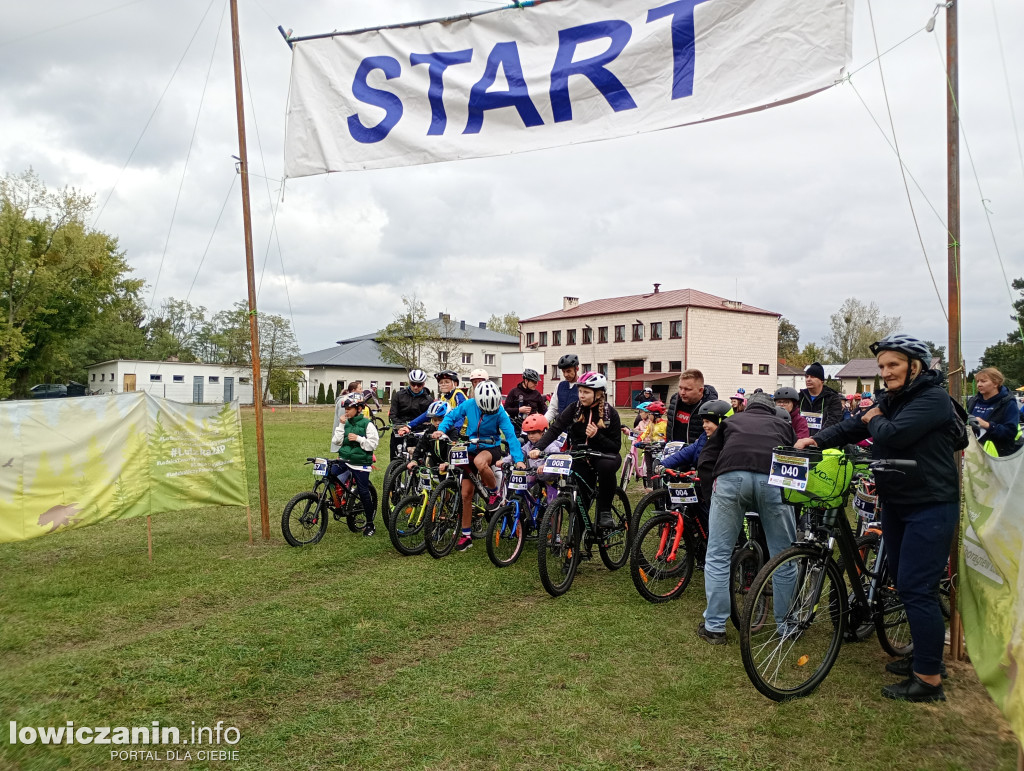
(624, 387)
(229, 389)
(197, 389)
(129, 383)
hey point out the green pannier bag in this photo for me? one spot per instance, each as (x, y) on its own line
(827, 481)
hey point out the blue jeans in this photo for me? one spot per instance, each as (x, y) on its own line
(917, 541)
(737, 492)
(362, 488)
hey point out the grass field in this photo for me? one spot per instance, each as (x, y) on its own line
(346, 655)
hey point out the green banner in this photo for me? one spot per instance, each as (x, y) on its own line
(68, 463)
(991, 596)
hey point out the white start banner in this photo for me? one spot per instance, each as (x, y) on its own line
(548, 73)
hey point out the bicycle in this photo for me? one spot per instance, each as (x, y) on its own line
(399, 480)
(304, 520)
(567, 534)
(805, 584)
(514, 522)
(658, 498)
(407, 525)
(632, 465)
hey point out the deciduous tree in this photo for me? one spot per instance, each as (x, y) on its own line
(507, 324)
(404, 339)
(854, 327)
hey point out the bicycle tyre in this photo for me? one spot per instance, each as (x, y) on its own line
(627, 469)
(743, 569)
(558, 546)
(355, 517)
(379, 424)
(443, 518)
(311, 519)
(791, 662)
(867, 546)
(891, 618)
(652, 503)
(614, 545)
(407, 526)
(387, 492)
(505, 536)
(656, 577)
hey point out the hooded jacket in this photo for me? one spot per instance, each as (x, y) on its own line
(520, 397)
(746, 440)
(607, 439)
(686, 430)
(828, 403)
(1003, 418)
(405, 405)
(917, 423)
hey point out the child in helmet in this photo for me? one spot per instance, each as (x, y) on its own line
(431, 450)
(448, 392)
(534, 427)
(356, 438)
(654, 432)
(789, 400)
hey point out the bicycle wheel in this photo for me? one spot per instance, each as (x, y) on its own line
(379, 423)
(304, 520)
(355, 517)
(614, 546)
(443, 518)
(891, 618)
(660, 569)
(388, 492)
(407, 525)
(746, 564)
(505, 536)
(867, 546)
(558, 552)
(626, 472)
(793, 651)
(646, 507)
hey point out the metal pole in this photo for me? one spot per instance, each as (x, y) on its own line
(254, 332)
(956, 364)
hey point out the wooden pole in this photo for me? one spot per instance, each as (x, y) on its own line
(149, 535)
(254, 331)
(956, 648)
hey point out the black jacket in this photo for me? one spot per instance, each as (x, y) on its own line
(686, 432)
(433, 451)
(745, 441)
(607, 439)
(405, 405)
(1003, 418)
(917, 423)
(520, 397)
(828, 403)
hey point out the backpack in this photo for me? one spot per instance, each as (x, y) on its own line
(959, 427)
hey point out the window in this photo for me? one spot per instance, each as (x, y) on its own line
(242, 380)
(603, 369)
(111, 377)
(555, 374)
(94, 377)
(101, 377)
(214, 378)
(570, 337)
(489, 358)
(467, 358)
(586, 367)
(762, 369)
(556, 337)
(602, 334)
(655, 330)
(638, 332)
(155, 378)
(529, 338)
(654, 366)
(588, 335)
(675, 366)
(181, 379)
(675, 329)
(341, 386)
(543, 339)
(620, 333)
(442, 357)
(748, 369)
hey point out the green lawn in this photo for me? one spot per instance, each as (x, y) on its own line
(346, 655)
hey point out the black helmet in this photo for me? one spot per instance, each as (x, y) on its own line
(714, 410)
(569, 360)
(447, 374)
(905, 344)
(531, 374)
(787, 393)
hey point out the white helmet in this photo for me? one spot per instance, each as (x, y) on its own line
(488, 397)
(479, 374)
(418, 377)
(594, 380)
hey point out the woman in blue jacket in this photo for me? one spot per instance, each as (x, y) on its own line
(995, 419)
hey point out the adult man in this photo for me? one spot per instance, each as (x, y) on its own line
(647, 395)
(692, 393)
(407, 404)
(525, 399)
(565, 394)
(820, 405)
(743, 444)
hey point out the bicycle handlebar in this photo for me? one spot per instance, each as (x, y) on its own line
(895, 464)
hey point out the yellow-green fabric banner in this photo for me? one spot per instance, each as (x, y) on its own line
(68, 463)
(991, 597)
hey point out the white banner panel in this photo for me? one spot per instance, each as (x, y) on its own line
(559, 72)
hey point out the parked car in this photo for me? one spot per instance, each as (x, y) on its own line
(48, 391)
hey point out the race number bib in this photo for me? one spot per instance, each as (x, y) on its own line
(813, 420)
(517, 481)
(682, 492)
(671, 447)
(458, 455)
(789, 471)
(320, 467)
(558, 464)
(426, 478)
(865, 505)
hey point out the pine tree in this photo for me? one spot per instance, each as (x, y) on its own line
(877, 386)
(860, 386)
(330, 394)
(320, 397)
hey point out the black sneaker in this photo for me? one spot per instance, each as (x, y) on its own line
(605, 520)
(369, 531)
(914, 689)
(905, 666)
(712, 638)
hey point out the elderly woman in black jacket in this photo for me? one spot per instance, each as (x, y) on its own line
(913, 420)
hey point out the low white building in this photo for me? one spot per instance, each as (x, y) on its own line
(180, 381)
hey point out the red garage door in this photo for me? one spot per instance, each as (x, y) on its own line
(624, 388)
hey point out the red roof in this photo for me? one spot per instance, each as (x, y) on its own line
(675, 298)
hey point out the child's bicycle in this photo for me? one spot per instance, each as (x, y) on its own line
(517, 520)
(305, 516)
(567, 533)
(399, 481)
(408, 521)
(658, 498)
(633, 468)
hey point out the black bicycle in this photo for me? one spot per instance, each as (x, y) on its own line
(305, 516)
(568, 535)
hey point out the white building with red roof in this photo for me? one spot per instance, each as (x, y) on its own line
(648, 339)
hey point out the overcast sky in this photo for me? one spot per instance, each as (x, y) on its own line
(793, 209)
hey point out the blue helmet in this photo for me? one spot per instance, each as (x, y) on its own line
(437, 409)
(642, 406)
(905, 344)
(866, 395)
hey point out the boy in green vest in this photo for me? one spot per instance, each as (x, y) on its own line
(356, 438)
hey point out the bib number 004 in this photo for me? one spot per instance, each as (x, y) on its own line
(789, 472)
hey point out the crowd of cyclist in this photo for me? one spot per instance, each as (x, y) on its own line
(730, 444)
